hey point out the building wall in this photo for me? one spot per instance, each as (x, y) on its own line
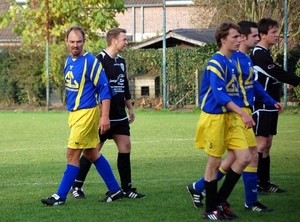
(146, 22)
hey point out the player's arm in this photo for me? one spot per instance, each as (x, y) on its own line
(104, 96)
(261, 95)
(104, 123)
(129, 106)
(127, 95)
(265, 64)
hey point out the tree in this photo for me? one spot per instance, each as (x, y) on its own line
(253, 10)
(30, 21)
(92, 15)
(297, 88)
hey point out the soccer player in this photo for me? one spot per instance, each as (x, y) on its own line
(115, 69)
(84, 80)
(219, 96)
(249, 90)
(270, 76)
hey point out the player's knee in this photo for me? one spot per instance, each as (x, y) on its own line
(244, 160)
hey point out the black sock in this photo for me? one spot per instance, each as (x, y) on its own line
(265, 174)
(259, 168)
(85, 166)
(124, 171)
(211, 189)
(231, 179)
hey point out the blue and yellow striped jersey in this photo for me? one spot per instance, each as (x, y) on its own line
(249, 88)
(85, 79)
(219, 84)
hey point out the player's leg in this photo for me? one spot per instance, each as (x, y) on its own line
(124, 165)
(105, 171)
(83, 135)
(264, 132)
(237, 143)
(85, 165)
(211, 187)
(263, 170)
(207, 127)
(68, 178)
(272, 188)
(250, 180)
(196, 189)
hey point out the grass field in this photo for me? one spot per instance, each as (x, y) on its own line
(164, 161)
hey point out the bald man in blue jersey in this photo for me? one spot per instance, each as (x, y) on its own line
(85, 81)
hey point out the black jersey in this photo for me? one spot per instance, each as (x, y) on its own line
(270, 75)
(115, 69)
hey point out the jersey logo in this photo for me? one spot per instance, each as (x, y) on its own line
(122, 66)
(70, 81)
(220, 88)
(120, 79)
(271, 66)
(231, 86)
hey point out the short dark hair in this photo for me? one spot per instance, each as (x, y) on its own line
(265, 24)
(113, 33)
(75, 27)
(223, 30)
(246, 27)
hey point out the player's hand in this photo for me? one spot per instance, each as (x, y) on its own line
(104, 125)
(131, 116)
(248, 121)
(279, 107)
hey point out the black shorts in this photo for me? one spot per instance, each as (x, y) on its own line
(117, 127)
(266, 123)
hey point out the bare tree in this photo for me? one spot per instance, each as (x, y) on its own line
(213, 12)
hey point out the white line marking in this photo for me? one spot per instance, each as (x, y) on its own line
(109, 143)
(164, 180)
(288, 131)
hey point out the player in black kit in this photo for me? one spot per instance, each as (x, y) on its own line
(270, 76)
(115, 68)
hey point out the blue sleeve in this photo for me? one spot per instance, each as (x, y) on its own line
(105, 91)
(218, 84)
(262, 96)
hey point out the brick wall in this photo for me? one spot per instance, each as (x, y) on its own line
(152, 23)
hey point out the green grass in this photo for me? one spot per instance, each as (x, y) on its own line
(164, 161)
